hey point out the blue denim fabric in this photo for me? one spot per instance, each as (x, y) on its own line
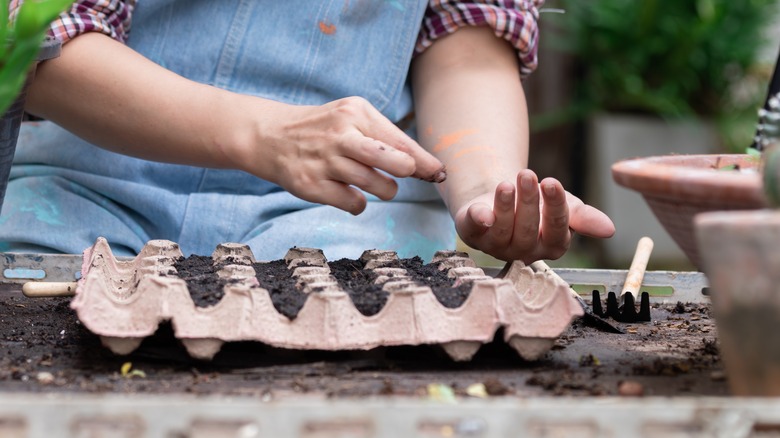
(65, 192)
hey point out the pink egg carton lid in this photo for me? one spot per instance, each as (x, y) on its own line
(124, 301)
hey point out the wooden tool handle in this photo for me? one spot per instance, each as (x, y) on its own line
(44, 289)
(541, 266)
(636, 272)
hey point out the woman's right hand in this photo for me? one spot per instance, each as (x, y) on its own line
(326, 153)
(321, 153)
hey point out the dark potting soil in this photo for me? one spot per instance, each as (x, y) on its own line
(437, 279)
(278, 281)
(288, 299)
(368, 298)
(205, 286)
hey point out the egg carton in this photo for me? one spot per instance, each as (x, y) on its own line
(125, 301)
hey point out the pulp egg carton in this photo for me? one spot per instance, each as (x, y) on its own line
(124, 301)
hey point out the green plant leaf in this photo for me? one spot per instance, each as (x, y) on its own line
(21, 41)
(35, 16)
(706, 9)
(3, 28)
(671, 59)
(14, 71)
(21, 57)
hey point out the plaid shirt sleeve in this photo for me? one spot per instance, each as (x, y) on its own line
(512, 20)
(111, 17)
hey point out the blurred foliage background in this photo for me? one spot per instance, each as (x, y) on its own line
(667, 58)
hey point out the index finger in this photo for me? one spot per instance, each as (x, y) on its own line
(427, 167)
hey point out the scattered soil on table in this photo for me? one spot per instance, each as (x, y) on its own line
(44, 348)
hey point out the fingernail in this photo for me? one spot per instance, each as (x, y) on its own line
(439, 176)
(506, 196)
(549, 189)
(527, 183)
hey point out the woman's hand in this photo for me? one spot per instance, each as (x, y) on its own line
(318, 153)
(326, 153)
(516, 223)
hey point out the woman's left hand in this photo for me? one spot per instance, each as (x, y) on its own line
(516, 223)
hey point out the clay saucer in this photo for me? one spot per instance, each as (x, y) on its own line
(678, 187)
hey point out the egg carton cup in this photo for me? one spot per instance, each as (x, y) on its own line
(125, 301)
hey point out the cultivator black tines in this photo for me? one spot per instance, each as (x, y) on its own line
(625, 313)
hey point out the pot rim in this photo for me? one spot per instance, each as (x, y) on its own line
(692, 176)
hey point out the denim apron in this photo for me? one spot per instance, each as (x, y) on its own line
(65, 192)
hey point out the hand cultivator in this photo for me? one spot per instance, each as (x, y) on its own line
(626, 310)
(590, 317)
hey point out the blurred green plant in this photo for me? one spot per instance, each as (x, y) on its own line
(20, 42)
(670, 58)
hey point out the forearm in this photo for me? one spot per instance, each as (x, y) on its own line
(471, 112)
(113, 97)
(110, 95)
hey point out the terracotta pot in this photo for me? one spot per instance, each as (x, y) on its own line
(741, 259)
(678, 187)
(11, 121)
